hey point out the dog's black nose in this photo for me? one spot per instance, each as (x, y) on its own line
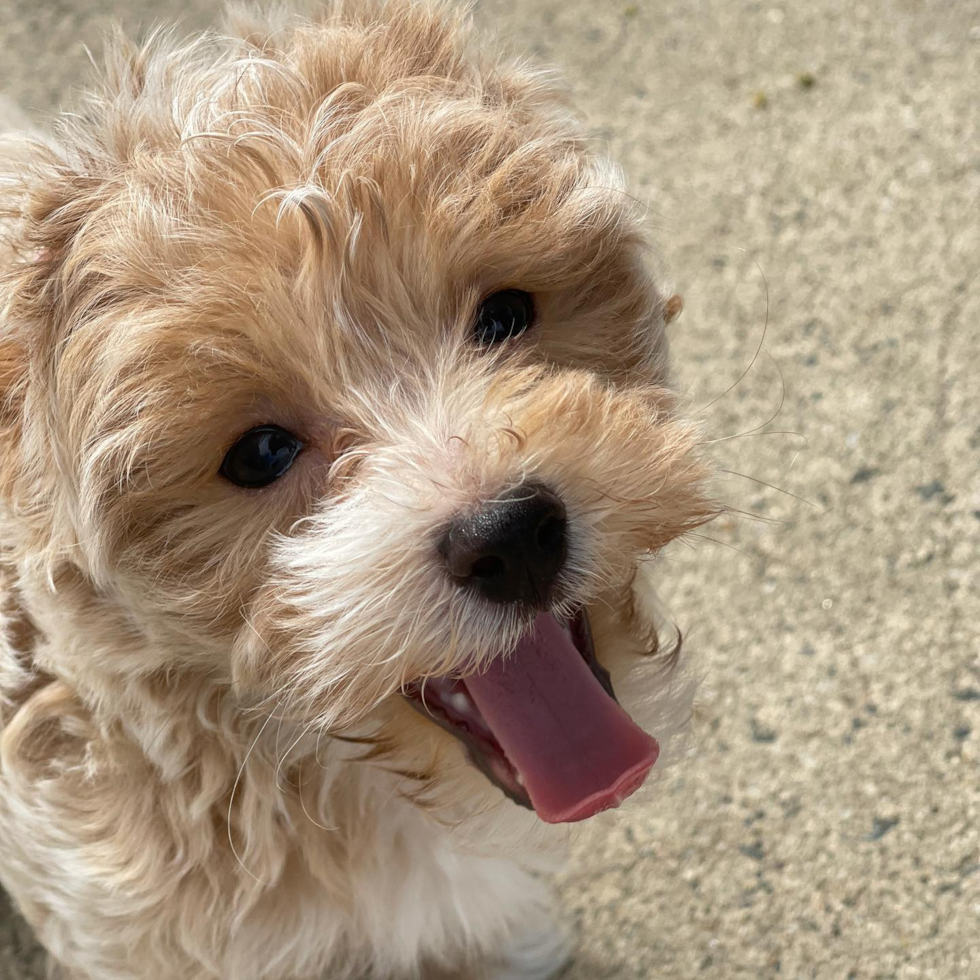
(512, 549)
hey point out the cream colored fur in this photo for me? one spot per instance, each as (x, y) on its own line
(206, 769)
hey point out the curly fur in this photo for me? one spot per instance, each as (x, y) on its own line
(206, 769)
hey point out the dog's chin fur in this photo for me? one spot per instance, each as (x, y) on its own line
(207, 769)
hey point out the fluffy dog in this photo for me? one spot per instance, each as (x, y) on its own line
(336, 432)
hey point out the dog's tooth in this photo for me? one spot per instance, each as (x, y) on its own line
(460, 702)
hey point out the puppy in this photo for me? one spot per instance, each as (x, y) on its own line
(336, 435)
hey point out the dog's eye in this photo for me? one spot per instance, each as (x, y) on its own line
(260, 456)
(503, 315)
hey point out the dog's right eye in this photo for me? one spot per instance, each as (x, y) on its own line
(260, 456)
(503, 315)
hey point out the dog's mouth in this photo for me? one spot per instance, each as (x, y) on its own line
(544, 724)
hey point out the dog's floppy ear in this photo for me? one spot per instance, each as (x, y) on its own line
(13, 370)
(43, 202)
(673, 308)
(14, 359)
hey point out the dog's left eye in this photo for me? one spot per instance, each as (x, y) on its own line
(260, 456)
(504, 315)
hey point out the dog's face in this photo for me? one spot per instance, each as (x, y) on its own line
(340, 371)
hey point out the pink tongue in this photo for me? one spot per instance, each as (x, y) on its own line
(575, 748)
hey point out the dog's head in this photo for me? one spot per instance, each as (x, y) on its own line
(335, 366)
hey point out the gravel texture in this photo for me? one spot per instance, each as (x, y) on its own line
(813, 170)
